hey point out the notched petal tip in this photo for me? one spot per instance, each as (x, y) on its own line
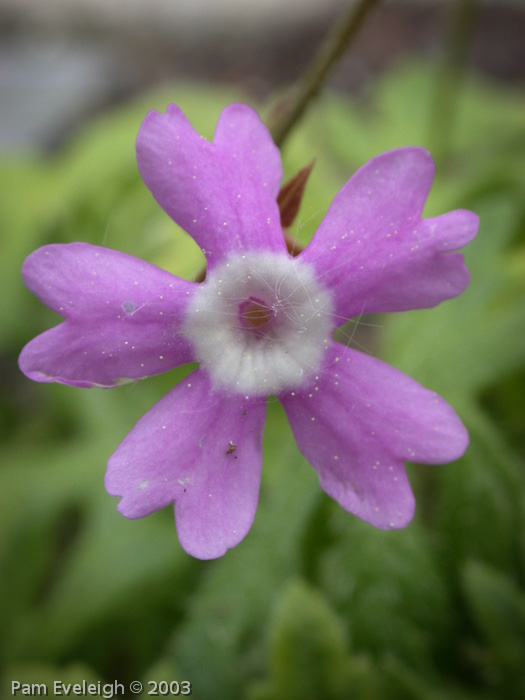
(178, 453)
(219, 192)
(155, 116)
(137, 498)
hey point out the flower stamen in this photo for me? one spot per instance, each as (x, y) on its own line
(255, 313)
(263, 321)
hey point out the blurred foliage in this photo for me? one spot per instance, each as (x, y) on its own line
(314, 603)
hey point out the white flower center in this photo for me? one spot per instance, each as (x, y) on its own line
(260, 323)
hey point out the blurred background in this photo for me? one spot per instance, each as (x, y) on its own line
(313, 603)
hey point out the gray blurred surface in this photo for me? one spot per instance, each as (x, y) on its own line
(61, 61)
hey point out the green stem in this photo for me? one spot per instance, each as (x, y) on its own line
(323, 62)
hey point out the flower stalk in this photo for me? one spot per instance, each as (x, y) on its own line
(316, 74)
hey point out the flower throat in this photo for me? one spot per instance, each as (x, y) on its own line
(255, 314)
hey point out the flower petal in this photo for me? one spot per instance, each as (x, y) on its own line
(359, 421)
(224, 194)
(375, 252)
(201, 449)
(123, 317)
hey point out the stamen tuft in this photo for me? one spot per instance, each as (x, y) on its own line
(255, 313)
(262, 323)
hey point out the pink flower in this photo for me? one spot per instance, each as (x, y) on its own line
(261, 323)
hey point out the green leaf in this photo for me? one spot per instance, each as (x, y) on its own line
(498, 608)
(390, 587)
(308, 648)
(406, 683)
(479, 498)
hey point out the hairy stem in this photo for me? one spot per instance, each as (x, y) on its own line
(323, 62)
